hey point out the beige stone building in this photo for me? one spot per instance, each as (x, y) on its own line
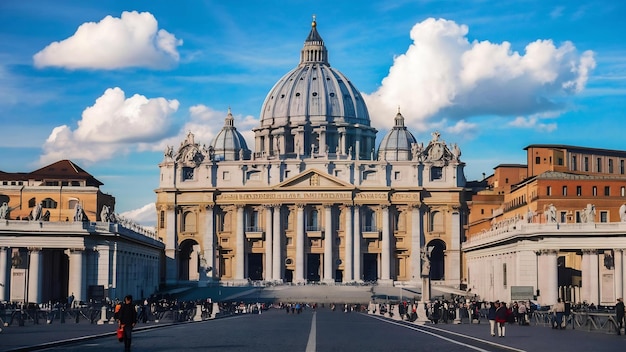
(316, 200)
(555, 227)
(59, 237)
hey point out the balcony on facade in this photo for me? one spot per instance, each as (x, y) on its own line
(254, 232)
(314, 231)
(370, 232)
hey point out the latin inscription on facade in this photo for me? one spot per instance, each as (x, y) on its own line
(288, 196)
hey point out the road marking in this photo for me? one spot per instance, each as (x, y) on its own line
(448, 332)
(310, 345)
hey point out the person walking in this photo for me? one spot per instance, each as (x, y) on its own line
(619, 315)
(558, 310)
(127, 320)
(501, 318)
(491, 315)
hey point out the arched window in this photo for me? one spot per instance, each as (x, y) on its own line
(189, 222)
(313, 220)
(72, 203)
(437, 260)
(369, 220)
(49, 203)
(32, 202)
(436, 222)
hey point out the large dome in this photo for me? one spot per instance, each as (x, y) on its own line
(397, 143)
(313, 91)
(314, 110)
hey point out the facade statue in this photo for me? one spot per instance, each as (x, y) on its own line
(456, 152)
(551, 214)
(169, 152)
(588, 214)
(78, 212)
(4, 211)
(425, 255)
(622, 213)
(530, 216)
(36, 213)
(104, 213)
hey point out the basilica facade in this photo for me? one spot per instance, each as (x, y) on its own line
(316, 200)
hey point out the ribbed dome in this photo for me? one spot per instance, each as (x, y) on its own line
(229, 144)
(313, 92)
(397, 143)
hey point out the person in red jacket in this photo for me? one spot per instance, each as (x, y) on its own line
(127, 318)
(501, 318)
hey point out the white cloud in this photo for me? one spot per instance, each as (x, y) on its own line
(133, 40)
(145, 216)
(533, 122)
(444, 75)
(113, 124)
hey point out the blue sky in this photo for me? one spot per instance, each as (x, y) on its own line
(109, 84)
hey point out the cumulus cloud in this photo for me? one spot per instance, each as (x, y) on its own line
(133, 40)
(535, 122)
(113, 124)
(444, 75)
(145, 216)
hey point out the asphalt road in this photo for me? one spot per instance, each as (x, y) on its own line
(325, 330)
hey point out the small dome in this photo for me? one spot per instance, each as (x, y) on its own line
(397, 143)
(229, 144)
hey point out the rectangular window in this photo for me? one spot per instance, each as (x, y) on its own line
(621, 167)
(574, 166)
(599, 164)
(537, 160)
(622, 191)
(560, 161)
(607, 191)
(604, 216)
(563, 216)
(586, 164)
(564, 190)
(436, 173)
(549, 190)
(610, 166)
(594, 191)
(225, 176)
(577, 217)
(504, 274)
(396, 175)
(579, 191)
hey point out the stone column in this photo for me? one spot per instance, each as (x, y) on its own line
(357, 244)
(240, 245)
(277, 265)
(416, 236)
(328, 244)
(171, 247)
(269, 244)
(3, 274)
(76, 285)
(547, 276)
(385, 257)
(207, 269)
(300, 243)
(102, 253)
(594, 280)
(348, 249)
(586, 276)
(619, 273)
(34, 275)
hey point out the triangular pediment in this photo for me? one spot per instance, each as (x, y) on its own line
(314, 179)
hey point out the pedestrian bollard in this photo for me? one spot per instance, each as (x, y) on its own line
(77, 316)
(62, 315)
(103, 315)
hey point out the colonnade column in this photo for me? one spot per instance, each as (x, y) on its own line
(3, 274)
(385, 274)
(240, 248)
(300, 243)
(586, 276)
(416, 236)
(619, 272)
(171, 246)
(208, 263)
(269, 244)
(34, 275)
(328, 243)
(76, 282)
(347, 276)
(594, 280)
(277, 265)
(547, 276)
(357, 244)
